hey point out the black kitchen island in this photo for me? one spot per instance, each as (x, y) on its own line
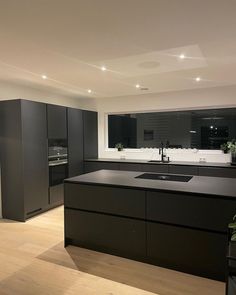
(173, 224)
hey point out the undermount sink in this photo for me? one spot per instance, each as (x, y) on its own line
(166, 177)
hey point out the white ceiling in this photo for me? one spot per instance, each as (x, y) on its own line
(139, 42)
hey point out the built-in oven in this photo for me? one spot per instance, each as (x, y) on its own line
(58, 169)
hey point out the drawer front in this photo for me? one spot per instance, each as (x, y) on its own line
(192, 251)
(113, 200)
(95, 166)
(130, 167)
(159, 168)
(115, 235)
(186, 170)
(188, 210)
(217, 172)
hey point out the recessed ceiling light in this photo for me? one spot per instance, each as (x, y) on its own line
(182, 56)
(44, 77)
(103, 68)
(198, 79)
(89, 90)
(137, 86)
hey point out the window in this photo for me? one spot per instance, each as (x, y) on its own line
(201, 129)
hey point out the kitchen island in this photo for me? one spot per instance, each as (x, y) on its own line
(173, 224)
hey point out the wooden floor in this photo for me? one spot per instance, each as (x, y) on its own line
(34, 261)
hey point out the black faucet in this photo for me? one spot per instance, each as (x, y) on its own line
(161, 151)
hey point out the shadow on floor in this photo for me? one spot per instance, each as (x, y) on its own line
(136, 274)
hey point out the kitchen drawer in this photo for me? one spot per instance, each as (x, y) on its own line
(130, 167)
(159, 168)
(111, 234)
(95, 166)
(187, 170)
(217, 172)
(113, 200)
(193, 251)
(190, 210)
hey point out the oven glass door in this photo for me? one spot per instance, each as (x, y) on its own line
(57, 174)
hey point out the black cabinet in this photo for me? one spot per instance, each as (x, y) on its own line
(57, 122)
(217, 172)
(75, 142)
(24, 166)
(56, 195)
(111, 234)
(159, 168)
(192, 251)
(181, 169)
(90, 134)
(95, 166)
(130, 167)
(189, 210)
(118, 201)
(34, 142)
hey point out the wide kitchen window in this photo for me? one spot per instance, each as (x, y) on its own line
(201, 129)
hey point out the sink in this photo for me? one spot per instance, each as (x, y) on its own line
(165, 177)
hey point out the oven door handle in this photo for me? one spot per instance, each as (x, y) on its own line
(57, 164)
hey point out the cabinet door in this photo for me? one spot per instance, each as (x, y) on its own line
(35, 157)
(130, 167)
(159, 168)
(56, 195)
(193, 251)
(111, 234)
(217, 172)
(191, 210)
(95, 166)
(90, 134)
(57, 122)
(113, 200)
(75, 142)
(186, 170)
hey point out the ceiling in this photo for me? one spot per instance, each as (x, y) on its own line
(138, 41)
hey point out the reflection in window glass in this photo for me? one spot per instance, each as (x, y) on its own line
(201, 129)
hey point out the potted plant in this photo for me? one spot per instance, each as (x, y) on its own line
(224, 147)
(230, 146)
(119, 147)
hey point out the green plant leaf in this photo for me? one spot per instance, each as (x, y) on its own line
(232, 225)
(233, 237)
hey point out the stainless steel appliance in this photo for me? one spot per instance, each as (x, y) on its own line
(58, 164)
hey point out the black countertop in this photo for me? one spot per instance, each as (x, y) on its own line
(183, 163)
(215, 186)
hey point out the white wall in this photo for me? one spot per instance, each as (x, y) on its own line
(216, 97)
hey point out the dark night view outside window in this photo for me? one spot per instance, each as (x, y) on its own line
(201, 129)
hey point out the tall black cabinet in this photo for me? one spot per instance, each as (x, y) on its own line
(23, 152)
(29, 132)
(57, 122)
(75, 142)
(90, 134)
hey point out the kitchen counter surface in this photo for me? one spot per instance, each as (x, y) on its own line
(183, 163)
(215, 186)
